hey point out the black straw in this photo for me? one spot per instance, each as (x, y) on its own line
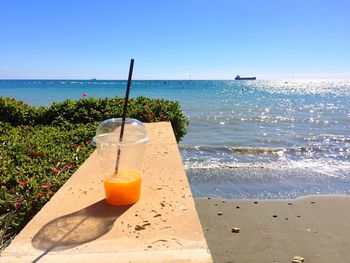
(126, 99)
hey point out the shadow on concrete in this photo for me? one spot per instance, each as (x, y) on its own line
(77, 228)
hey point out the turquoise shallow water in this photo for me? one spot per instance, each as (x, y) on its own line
(247, 139)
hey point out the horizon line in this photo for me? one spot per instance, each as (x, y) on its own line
(168, 79)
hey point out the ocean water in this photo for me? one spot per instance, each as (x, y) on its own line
(247, 139)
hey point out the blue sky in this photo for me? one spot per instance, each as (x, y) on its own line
(172, 39)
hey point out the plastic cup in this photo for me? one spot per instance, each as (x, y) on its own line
(123, 188)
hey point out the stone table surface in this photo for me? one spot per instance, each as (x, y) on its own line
(77, 225)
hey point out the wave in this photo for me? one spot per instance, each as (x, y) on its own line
(260, 150)
(331, 168)
(61, 82)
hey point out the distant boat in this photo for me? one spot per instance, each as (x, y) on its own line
(244, 78)
(92, 79)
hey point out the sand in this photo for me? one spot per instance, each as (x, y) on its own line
(316, 228)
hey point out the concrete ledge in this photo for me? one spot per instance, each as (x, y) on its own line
(77, 225)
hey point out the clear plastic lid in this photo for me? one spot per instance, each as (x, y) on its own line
(108, 133)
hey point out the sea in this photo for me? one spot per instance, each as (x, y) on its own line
(263, 139)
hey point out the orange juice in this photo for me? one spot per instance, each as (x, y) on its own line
(124, 188)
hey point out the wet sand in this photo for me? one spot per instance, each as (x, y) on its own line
(316, 228)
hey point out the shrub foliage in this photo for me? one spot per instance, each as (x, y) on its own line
(91, 110)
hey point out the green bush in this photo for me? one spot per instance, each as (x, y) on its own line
(90, 110)
(16, 112)
(41, 147)
(34, 163)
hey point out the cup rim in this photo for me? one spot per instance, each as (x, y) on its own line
(96, 139)
(94, 142)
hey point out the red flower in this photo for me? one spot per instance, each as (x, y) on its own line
(162, 116)
(87, 142)
(84, 94)
(22, 182)
(18, 203)
(56, 171)
(70, 166)
(41, 194)
(45, 186)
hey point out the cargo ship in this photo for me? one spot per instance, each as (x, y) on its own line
(244, 78)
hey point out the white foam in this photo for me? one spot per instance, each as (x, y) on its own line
(328, 167)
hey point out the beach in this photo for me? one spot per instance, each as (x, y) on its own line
(254, 154)
(270, 142)
(315, 228)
